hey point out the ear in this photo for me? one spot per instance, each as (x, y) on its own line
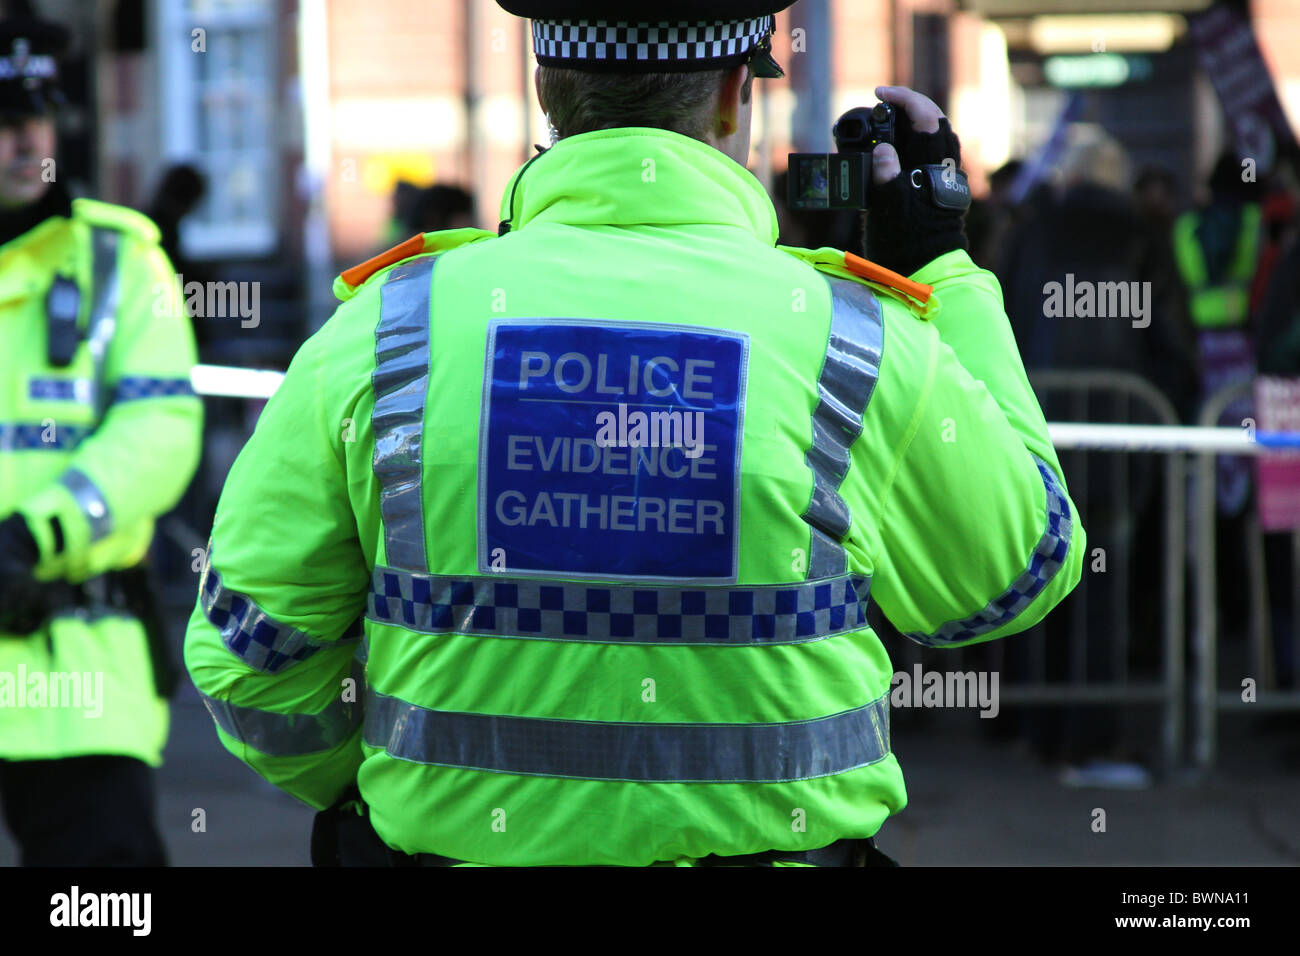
(734, 93)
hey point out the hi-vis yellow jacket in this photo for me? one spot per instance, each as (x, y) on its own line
(587, 645)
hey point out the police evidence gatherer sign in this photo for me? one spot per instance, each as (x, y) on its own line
(611, 450)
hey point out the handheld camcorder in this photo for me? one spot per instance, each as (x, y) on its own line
(841, 180)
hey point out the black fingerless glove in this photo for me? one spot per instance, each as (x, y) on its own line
(905, 226)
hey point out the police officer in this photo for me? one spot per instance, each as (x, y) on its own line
(597, 501)
(99, 434)
(1217, 252)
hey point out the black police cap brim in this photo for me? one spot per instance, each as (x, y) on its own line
(645, 11)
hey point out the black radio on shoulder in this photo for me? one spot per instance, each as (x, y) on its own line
(62, 332)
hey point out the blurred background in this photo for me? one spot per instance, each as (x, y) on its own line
(279, 141)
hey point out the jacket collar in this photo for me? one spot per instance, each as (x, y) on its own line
(637, 176)
(28, 259)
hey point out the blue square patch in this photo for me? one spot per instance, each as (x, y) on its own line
(611, 450)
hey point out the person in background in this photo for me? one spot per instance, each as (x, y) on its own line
(442, 207)
(417, 210)
(993, 217)
(180, 190)
(1085, 231)
(1155, 194)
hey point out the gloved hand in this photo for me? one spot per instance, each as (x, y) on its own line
(23, 602)
(904, 229)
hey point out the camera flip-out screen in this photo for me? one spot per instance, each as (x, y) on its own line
(828, 180)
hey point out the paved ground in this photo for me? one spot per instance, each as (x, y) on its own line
(972, 802)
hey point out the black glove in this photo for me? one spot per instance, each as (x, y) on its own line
(905, 228)
(23, 599)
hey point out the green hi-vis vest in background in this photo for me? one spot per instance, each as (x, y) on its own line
(98, 447)
(1225, 303)
(582, 646)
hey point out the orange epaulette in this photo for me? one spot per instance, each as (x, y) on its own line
(887, 277)
(360, 273)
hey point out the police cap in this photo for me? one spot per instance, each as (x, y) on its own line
(29, 71)
(652, 36)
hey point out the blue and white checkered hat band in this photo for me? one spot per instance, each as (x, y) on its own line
(619, 45)
(23, 67)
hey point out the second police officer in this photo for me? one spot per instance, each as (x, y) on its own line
(99, 435)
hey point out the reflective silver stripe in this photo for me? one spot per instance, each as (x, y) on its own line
(1048, 556)
(103, 310)
(596, 750)
(400, 380)
(90, 500)
(289, 735)
(844, 388)
(252, 635)
(618, 614)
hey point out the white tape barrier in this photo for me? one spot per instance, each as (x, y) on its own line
(232, 382)
(1168, 439)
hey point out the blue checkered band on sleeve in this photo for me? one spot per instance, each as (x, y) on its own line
(664, 44)
(1046, 560)
(255, 637)
(38, 436)
(618, 614)
(139, 386)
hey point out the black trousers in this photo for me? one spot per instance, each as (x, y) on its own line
(82, 811)
(342, 837)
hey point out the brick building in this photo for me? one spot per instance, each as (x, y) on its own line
(304, 113)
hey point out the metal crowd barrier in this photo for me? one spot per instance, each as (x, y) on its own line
(1132, 397)
(1167, 438)
(1128, 390)
(1208, 699)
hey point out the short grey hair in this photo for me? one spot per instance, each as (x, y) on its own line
(579, 101)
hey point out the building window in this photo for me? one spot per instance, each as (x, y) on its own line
(217, 72)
